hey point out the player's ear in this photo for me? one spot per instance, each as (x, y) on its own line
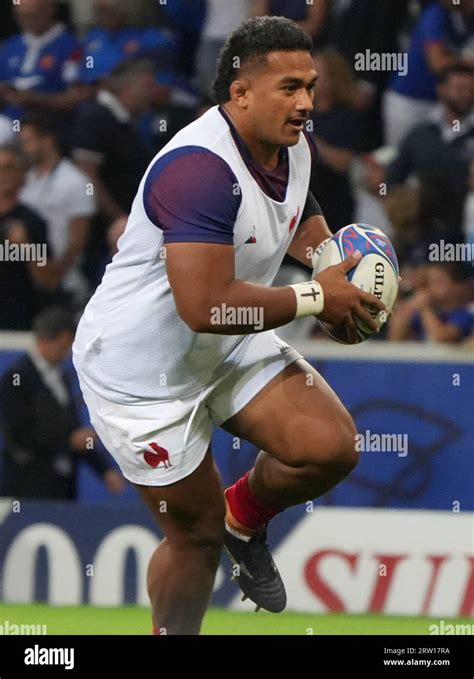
(239, 93)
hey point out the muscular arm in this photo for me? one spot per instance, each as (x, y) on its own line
(206, 293)
(190, 194)
(202, 278)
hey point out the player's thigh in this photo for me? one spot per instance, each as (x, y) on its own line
(190, 510)
(298, 419)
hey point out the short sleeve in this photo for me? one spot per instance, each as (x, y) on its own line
(192, 195)
(311, 209)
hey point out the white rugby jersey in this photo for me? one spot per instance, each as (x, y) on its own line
(131, 344)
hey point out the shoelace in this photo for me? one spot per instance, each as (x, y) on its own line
(260, 541)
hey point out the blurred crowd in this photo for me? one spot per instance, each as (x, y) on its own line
(91, 90)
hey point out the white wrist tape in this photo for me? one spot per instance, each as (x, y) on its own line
(309, 298)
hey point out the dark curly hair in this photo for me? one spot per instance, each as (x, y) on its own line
(252, 41)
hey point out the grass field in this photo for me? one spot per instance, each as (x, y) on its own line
(133, 620)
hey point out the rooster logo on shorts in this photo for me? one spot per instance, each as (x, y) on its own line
(157, 457)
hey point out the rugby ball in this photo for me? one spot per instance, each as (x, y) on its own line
(377, 273)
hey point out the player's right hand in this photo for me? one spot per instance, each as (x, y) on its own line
(343, 301)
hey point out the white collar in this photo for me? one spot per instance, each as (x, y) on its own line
(51, 375)
(110, 101)
(39, 41)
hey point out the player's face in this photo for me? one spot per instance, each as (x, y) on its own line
(280, 97)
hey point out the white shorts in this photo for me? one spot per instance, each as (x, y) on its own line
(157, 443)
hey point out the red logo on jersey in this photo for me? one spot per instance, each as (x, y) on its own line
(253, 236)
(47, 62)
(294, 221)
(160, 455)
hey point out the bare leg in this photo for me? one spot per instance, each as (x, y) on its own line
(182, 569)
(306, 435)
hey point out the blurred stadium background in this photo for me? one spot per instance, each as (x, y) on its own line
(390, 550)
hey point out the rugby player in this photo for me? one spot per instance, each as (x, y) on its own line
(164, 350)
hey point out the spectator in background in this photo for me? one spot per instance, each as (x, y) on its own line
(439, 150)
(44, 441)
(114, 39)
(39, 66)
(338, 130)
(311, 18)
(402, 208)
(223, 17)
(62, 196)
(442, 32)
(445, 140)
(367, 180)
(437, 312)
(186, 18)
(107, 147)
(21, 280)
(358, 26)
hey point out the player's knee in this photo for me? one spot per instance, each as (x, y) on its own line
(333, 450)
(342, 457)
(203, 531)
